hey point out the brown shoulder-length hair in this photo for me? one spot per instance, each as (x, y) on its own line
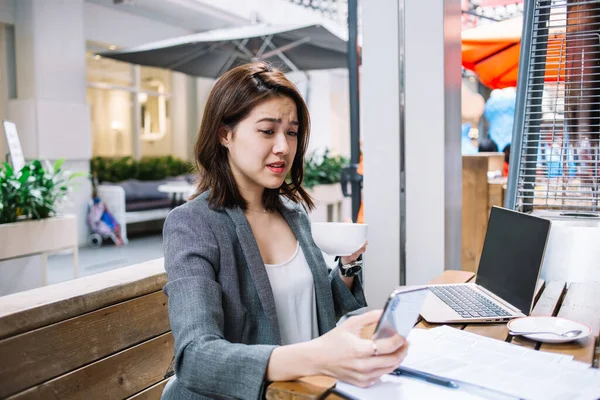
(231, 99)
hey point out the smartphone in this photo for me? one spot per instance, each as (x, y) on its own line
(401, 311)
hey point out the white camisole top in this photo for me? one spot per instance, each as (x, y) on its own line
(295, 300)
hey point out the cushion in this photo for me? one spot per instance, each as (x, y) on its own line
(136, 190)
(143, 205)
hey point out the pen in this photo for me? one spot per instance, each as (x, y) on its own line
(425, 376)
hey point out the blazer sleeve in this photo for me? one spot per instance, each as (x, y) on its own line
(205, 362)
(344, 299)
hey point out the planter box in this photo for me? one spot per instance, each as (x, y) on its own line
(45, 236)
(329, 201)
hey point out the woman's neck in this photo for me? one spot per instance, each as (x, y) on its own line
(254, 199)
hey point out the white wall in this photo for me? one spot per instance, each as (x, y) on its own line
(61, 42)
(203, 87)
(50, 110)
(105, 140)
(7, 11)
(319, 106)
(340, 112)
(410, 97)
(109, 26)
(380, 93)
(432, 145)
(329, 107)
(3, 91)
(273, 11)
(183, 113)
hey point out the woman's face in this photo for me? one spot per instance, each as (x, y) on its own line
(262, 146)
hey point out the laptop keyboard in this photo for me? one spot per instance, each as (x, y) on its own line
(467, 302)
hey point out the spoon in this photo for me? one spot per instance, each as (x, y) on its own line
(567, 334)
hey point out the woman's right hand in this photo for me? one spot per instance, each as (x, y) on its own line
(343, 354)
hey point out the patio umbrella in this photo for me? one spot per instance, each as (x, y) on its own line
(209, 54)
(492, 52)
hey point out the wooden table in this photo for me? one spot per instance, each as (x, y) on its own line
(576, 301)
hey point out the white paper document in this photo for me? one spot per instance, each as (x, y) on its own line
(403, 388)
(497, 365)
(476, 361)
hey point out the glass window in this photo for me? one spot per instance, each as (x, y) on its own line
(106, 71)
(112, 88)
(153, 99)
(111, 122)
(155, 79)
(155, 131)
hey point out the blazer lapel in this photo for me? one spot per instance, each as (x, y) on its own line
(301, 229)
(256, 266)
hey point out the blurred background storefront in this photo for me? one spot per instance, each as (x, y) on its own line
(68, 102)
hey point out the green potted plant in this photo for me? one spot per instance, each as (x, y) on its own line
(29, 199)
(146, 169)
(322, 173)
(323, 169)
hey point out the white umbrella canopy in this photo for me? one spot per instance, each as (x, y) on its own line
(209, 54)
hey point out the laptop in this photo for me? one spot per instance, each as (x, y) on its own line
(510, 265)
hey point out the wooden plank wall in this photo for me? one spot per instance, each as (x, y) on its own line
(474, 209)
(105, 334)
(479, 195)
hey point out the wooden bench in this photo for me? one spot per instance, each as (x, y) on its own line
(576, 301)
(102, 336)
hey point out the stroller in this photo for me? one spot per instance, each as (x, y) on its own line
(101, 222)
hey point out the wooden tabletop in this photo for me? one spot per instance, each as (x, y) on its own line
(576, 301)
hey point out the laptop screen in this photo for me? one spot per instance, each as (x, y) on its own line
(512, 256)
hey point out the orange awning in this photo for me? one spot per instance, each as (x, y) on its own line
(492, 51)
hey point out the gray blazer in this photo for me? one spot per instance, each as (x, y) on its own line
(221, 306)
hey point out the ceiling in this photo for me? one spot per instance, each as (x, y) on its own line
(188, 14)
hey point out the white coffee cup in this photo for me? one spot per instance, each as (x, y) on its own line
(339, 238)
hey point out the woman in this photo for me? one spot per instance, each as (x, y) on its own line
(250, 297)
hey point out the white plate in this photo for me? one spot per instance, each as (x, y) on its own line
(548, 324)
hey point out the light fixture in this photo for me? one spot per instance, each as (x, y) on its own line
(97, 57)
(112, 47)
(142, 97)
(116, 125)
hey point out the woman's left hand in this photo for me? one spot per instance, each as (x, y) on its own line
(354, 256)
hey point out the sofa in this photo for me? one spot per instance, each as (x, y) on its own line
(132, 201)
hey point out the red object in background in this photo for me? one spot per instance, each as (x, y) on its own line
(492, 51)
